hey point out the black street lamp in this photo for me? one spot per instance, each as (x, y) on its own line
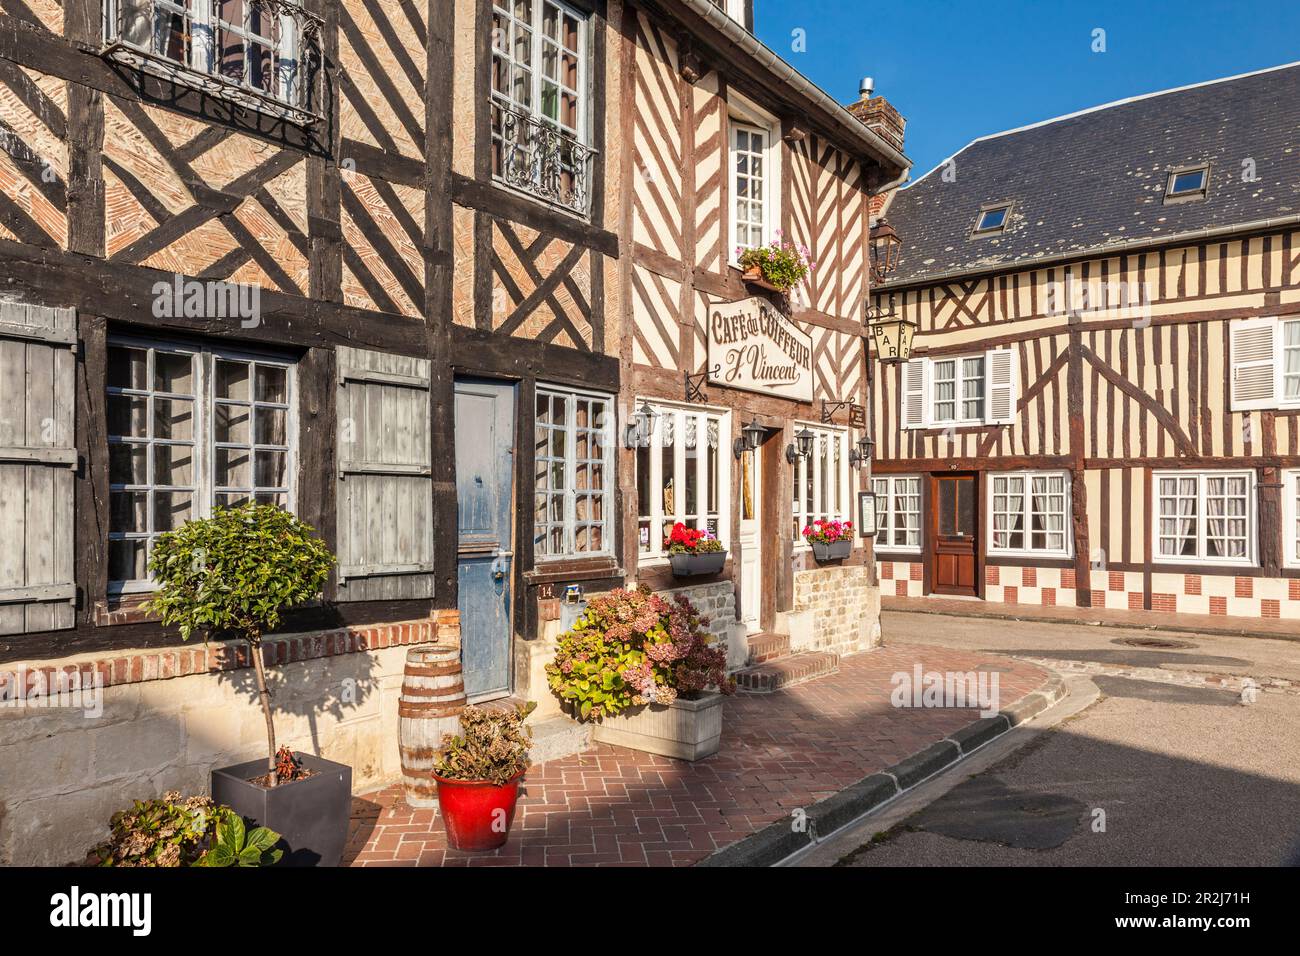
(804, 440)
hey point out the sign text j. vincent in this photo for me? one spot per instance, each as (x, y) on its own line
(754, 347)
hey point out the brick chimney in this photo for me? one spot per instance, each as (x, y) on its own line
(882, 119)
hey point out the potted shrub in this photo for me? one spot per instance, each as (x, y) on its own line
(190, 831)
(478, 773)
(779, 266)
(693, 552)
(830, 540)
(231, 575)
(646, 673)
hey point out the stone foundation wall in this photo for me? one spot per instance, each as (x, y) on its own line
(716, 601)
(845, 607)
(164, 719)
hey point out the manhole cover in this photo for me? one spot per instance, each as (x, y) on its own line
(1160, 642)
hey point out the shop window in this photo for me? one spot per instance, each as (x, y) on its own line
(683, 475)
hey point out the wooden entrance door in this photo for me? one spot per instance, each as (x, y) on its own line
(485, 443)
(954, 537)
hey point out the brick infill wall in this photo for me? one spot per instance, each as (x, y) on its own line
(135, 667)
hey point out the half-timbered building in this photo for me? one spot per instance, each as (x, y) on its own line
(1102, 403)
(747, 406)
(407, 269)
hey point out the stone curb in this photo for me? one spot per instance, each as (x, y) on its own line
(779, 840)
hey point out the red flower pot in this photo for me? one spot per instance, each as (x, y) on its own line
(477, 813)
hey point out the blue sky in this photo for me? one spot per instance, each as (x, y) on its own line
(959, 69)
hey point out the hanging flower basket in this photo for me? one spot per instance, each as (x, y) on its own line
(754, 276)
(779, 266)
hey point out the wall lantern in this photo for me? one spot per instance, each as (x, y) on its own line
(804, 441)
(640, 426)
(891, 332)
(885, 249)
(862, 453)
(750, 437)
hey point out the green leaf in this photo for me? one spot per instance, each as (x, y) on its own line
(262, 839)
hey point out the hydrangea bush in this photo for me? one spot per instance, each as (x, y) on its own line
(632, 647)
(822, 531)
(684, 540)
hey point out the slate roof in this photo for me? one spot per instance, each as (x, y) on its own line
(1096, 179)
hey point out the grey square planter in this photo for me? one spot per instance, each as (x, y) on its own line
(688, 565)
(310, 815)
(834, 551)
(686, 729)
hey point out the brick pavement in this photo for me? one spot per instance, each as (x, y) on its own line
(615, 806)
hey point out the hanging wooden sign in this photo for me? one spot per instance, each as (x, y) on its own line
(754, 347)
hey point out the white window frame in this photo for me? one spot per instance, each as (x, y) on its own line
(743, 114)
(678, 414)
(203, 441)
(806, 511)
(1291, 518)
(1251, 557)
(538, 80)
(202, 24)
(959, 381)
(918, 390)
(887, 514)
(570, 493)
(1027, 513)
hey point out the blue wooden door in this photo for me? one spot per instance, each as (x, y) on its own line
(485, 431)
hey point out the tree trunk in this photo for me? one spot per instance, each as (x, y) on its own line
(264, 696)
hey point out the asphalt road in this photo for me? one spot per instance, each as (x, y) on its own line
(1128, 772)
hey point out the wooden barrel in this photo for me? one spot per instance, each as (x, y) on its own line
(433, 695)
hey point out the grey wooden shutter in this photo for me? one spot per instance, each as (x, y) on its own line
(385, 483)
(38, 461)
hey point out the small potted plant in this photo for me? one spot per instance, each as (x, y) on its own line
(779, 266)
(231, 575)
(693, 552)
(830, 540)
(646, 673)
(478, 773)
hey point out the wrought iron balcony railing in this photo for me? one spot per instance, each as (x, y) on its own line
(263, 55)
(532, 154)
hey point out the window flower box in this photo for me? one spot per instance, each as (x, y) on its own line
(754, 276)
(685, 729)
(779, 266)
(688, 565)
(832, 552)
(693, 552)
(830, 540)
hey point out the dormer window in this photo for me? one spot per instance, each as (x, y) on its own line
(1188, 183)
(992, 219)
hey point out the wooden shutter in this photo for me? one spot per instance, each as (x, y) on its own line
(38, 461)
(1000, 365)
(1253, 345)
(913, 392)
(385, 483)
